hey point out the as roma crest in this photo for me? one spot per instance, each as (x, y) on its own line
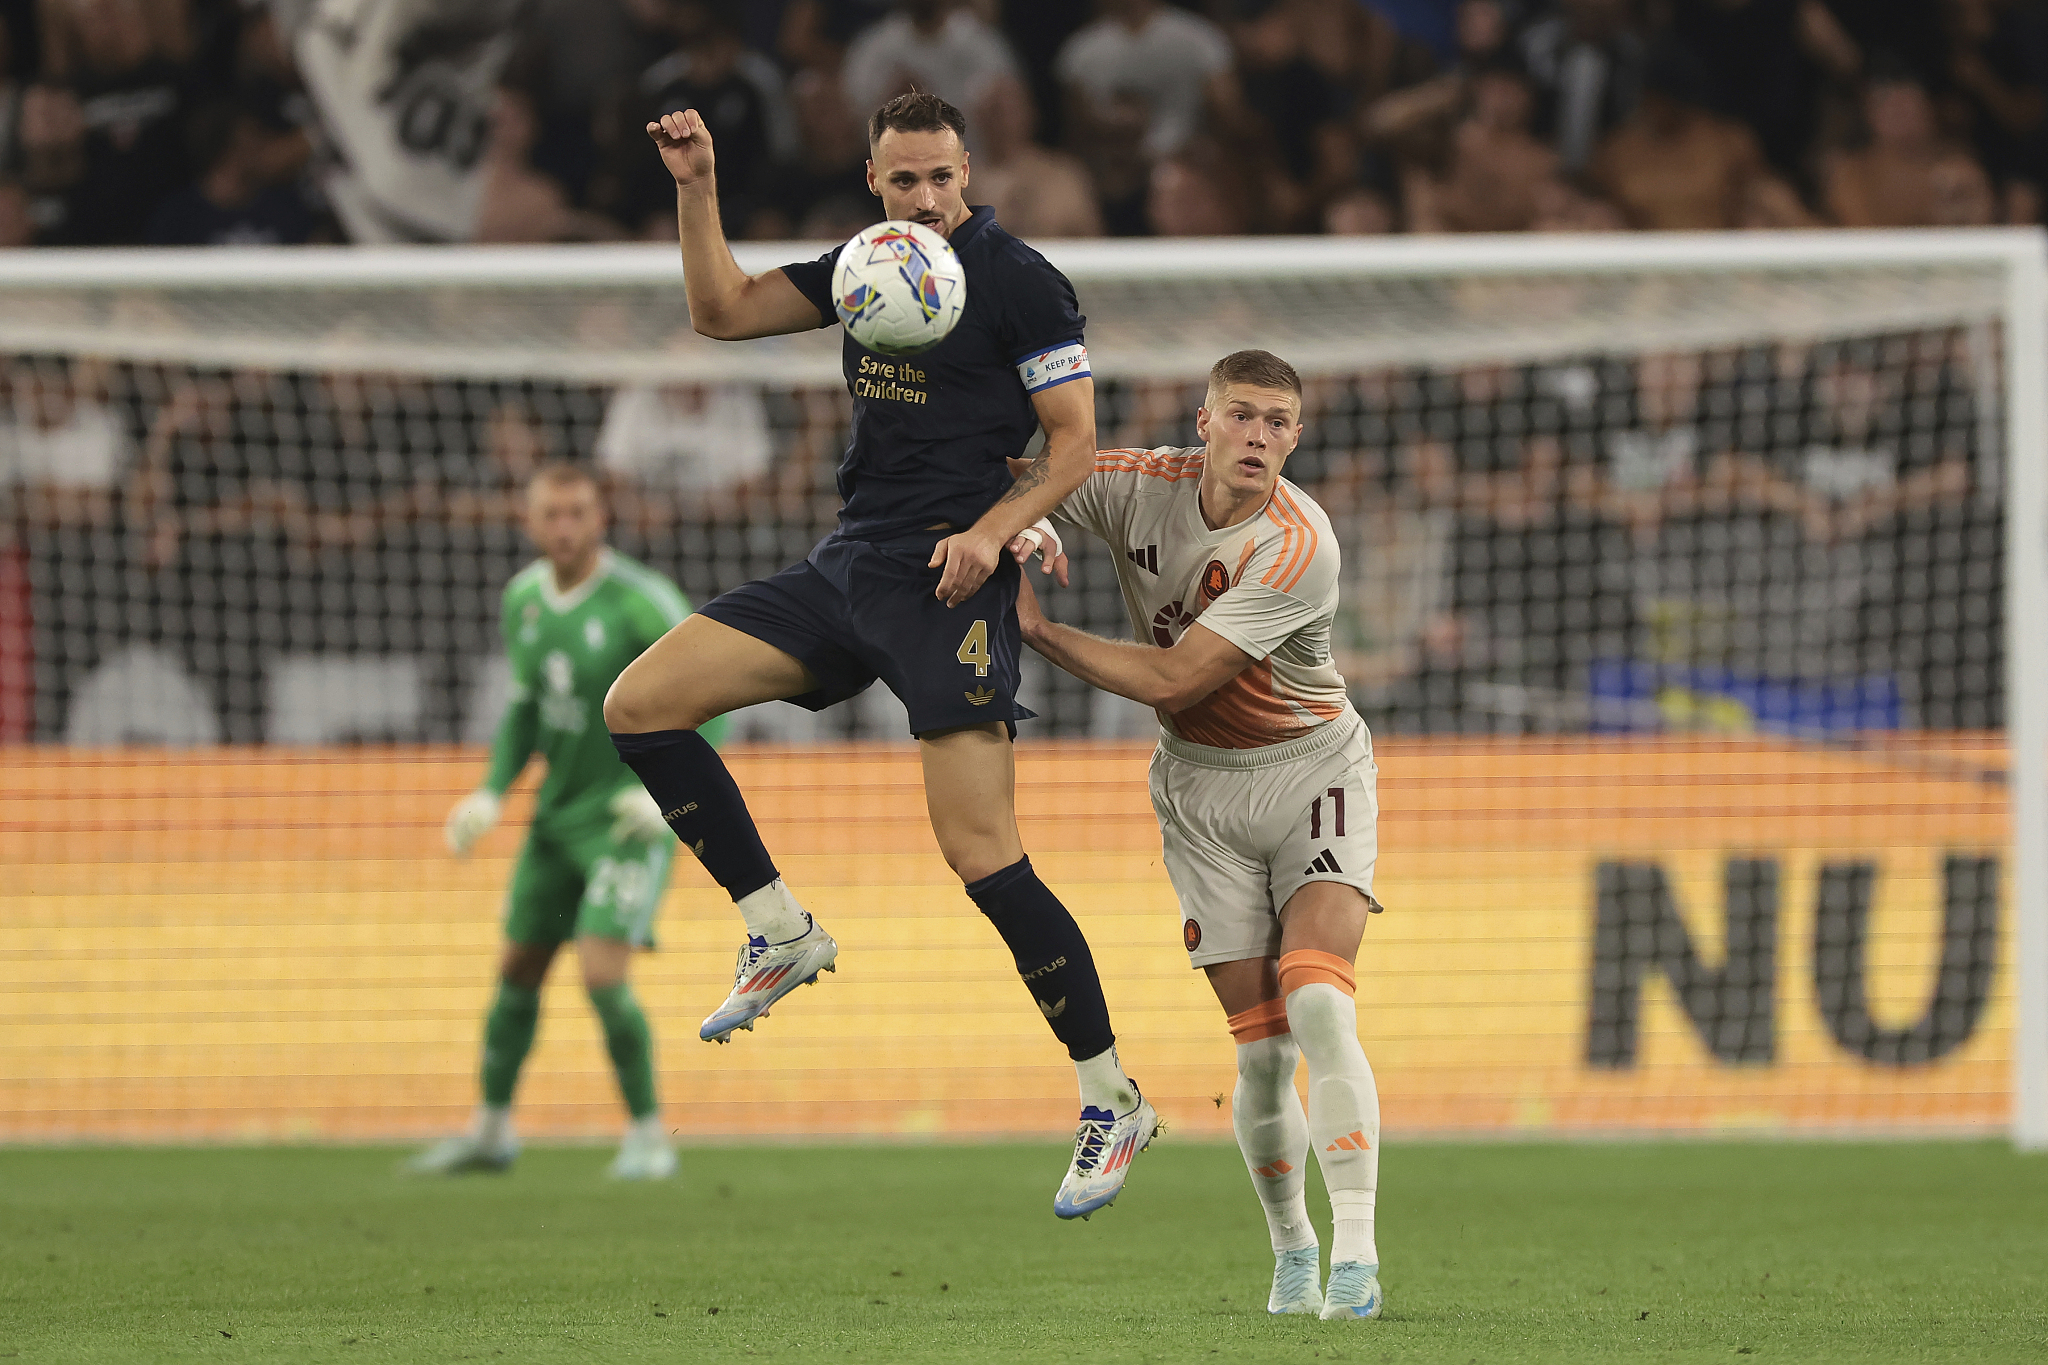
(1215, 580)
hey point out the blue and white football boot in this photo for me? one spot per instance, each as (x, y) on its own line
(1103, 1147)
(1297, 1281)
(764, 974)
(1354, 1291)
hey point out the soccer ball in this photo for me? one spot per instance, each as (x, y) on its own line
(898, 288)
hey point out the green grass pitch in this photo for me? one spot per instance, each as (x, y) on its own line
(1493, 1253)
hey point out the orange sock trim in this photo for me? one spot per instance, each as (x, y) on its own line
(1305, 966)
(1268, 1020)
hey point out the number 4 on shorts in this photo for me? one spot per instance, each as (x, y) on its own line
(974, 649)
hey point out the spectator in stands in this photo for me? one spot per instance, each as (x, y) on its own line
(520, 202)
(1289, 128)
(1901, 176)
(1035, 192)
(1189, 194)
(1139, 83)
(826, 187)
(1358, 213)
(107, 135)
(814, 33)
(1416, 119)
(233, 202)
(17, 221)
(942, 47)
(1495, 174)
(1764, 62)
(740, 95)
(62, 449)
(682, 451)
(1998, 57)
(1586, 65)
(1673, 164)
(1168, 63)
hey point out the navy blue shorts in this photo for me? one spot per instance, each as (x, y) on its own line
(858, 610)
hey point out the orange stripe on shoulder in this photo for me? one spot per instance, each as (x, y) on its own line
(1294, 535)
(1149, 463)
(1298, 549)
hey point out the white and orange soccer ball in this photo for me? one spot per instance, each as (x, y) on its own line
(898, 288)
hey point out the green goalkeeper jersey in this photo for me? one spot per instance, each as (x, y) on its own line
(566, 648)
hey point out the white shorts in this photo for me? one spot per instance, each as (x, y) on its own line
(1244, 829)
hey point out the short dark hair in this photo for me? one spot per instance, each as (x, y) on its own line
(562, 473)
(1254, 369)
(914, 111)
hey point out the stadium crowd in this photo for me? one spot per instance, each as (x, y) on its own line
(222, 121)
(1826, 516)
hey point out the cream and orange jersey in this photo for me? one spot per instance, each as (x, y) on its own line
(1267, 585)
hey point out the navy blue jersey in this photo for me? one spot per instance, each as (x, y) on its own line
(931, 432)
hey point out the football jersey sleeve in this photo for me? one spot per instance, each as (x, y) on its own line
(813, 279)
(1089, 506)
(1040, 323)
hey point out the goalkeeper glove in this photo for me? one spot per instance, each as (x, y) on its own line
(471, 819)
(636, 818)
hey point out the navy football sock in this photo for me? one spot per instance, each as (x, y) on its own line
(1052, 956)
(702, 804)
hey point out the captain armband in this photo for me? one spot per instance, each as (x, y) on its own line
(1051, 368)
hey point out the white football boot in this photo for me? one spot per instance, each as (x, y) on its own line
(644, 1154)
(1103, 1147)
(1354, 1291)
(464, 1155)
(1296, 1281)
(764, 974)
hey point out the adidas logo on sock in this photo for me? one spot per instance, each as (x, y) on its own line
(1353, 1141)
(1274, 1171)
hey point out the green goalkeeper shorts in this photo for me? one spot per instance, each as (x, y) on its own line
(582, 883)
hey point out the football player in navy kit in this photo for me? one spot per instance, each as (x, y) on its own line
(916, 587)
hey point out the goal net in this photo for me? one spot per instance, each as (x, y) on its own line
(1686, 584)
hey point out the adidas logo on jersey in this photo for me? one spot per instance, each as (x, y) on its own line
(1326, 861)
(1146, 559)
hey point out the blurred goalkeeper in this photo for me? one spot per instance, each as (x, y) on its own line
(596, 858)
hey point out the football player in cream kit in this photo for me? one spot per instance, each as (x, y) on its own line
(1264, 785)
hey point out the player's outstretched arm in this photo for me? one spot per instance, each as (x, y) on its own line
(1067, 412)
(725, 302)
(1166, 679)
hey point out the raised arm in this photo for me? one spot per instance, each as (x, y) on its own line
(725, 301)
(1067, 412)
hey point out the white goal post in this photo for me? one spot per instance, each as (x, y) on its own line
(1160, 311)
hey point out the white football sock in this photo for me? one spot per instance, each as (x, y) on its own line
(492, 1125)
(1104, 1085)
(1343, 1113)
(647, 1129)
(773, 914)
(1272, 1132)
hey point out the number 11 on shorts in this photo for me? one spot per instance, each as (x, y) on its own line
(1315, 814)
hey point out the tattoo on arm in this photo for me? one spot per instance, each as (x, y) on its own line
(1033, 475)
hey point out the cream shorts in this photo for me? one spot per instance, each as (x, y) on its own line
(1244, 829)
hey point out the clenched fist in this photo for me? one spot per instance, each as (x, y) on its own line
(685, 145)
